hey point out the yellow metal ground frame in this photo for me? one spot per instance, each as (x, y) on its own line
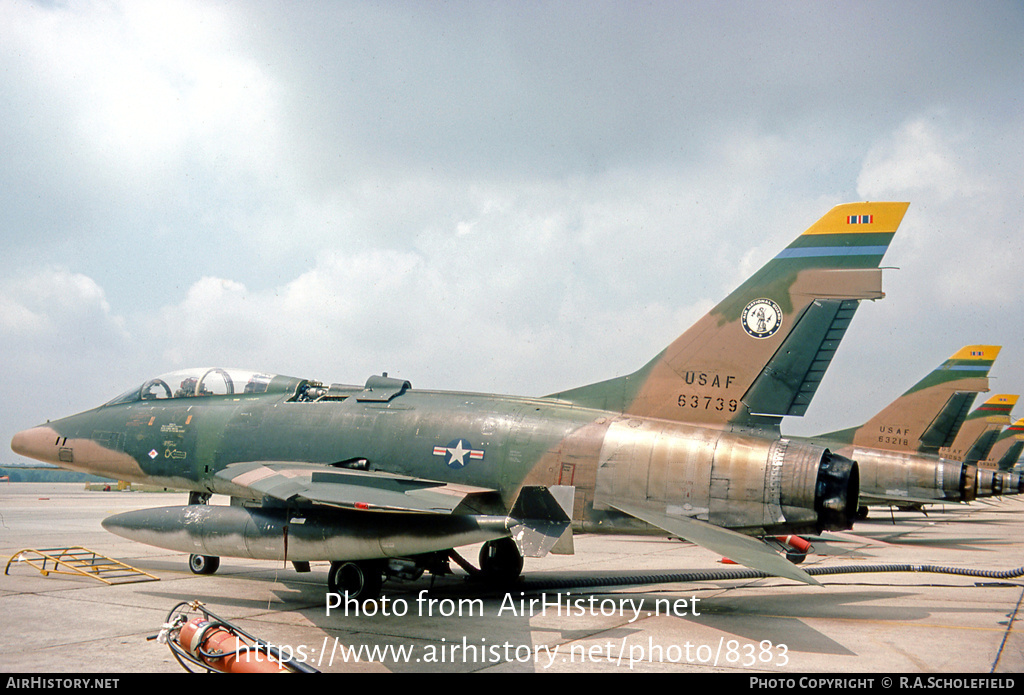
(79, 561)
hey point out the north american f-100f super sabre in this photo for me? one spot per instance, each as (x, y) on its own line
(385, 480)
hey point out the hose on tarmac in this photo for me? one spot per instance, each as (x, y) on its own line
(725, 575)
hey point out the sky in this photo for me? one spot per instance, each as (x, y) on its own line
(489, 196)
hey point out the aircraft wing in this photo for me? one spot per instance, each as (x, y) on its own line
(745, 550)
(291, 481)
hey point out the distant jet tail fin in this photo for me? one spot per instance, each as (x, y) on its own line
(929, 415)
(760, 353)
(982, 426)
(1008, 447)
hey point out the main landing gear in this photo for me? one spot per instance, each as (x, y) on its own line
(361, 580)
(500, 561)
(500, 564)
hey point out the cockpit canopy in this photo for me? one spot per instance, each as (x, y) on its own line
(197, 383)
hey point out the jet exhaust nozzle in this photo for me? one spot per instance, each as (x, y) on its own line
(837, 492)
(968, 483)
(989, 484)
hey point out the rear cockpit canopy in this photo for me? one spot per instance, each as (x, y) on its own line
(197, 383)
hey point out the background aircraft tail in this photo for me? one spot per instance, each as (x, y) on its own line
(980, 430)
(1008, 447)
(761, 353)
(929, 415)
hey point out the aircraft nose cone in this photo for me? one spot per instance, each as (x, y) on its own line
(37, 443)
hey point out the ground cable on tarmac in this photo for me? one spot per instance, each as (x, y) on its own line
(725, 575)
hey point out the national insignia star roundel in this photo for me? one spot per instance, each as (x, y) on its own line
(761, 318)
(456, 453)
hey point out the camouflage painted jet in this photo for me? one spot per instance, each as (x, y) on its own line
(896, 449)
(976, 438)
(981, 428)
(1002, 458)
(385, 480)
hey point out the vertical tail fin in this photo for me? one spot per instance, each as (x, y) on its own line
(761, 352)
(976, 437)
(928, 416)
(1008, 447)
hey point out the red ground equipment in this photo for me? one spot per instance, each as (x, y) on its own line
(196, 636)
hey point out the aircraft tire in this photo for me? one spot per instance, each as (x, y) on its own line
(360, 580)
(203, 564)
(500, 560)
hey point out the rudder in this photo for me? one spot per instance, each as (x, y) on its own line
(761, 352)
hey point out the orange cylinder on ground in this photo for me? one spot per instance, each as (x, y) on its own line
(201, 635)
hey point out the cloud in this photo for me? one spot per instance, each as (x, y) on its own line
(966, 215)
(957, 253)
(919, 158)
(132, 120)
(482, 198)
(138, 82)
(56, 303)
(60, 337)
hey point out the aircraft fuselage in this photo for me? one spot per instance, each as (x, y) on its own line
(740, 480)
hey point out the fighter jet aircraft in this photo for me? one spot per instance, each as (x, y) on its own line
(385, 480)
(896, 449)
(976, 439)
(1002, 458)
(1008, 446)
(981, 428)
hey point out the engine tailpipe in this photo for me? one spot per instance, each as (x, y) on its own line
(836, 492)
(969, 483)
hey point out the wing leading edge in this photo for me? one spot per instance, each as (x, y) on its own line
(347, 489)
(538, 520)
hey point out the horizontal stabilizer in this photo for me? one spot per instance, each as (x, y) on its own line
(745, 550)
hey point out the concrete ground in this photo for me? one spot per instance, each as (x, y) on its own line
(855, 623)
